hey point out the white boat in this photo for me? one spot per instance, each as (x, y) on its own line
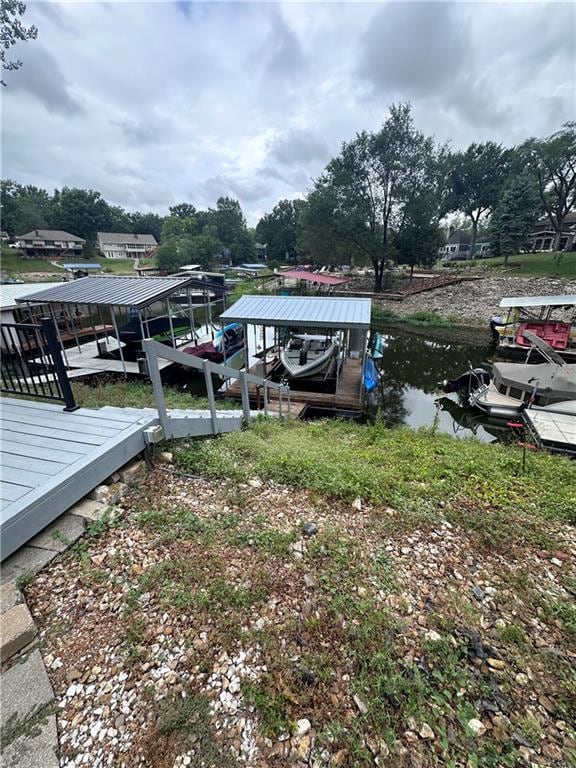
(305, 355)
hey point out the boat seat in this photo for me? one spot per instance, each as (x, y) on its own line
(557, 334)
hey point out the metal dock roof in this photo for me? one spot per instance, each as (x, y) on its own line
(538, 301)
(114, 291)
(301, 311)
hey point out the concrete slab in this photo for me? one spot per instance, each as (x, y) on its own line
(26, 689)
(60, 534)
(89, 510)
(17, 630)
(37, 747)
(10, 596)
(25, 563)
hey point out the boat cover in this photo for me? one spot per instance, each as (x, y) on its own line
(561, 380)
(370, 375)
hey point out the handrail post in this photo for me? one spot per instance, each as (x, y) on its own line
(280, 401)
(59, 367)
(245, 395)
(265, 393)
(155, 378)
(210, 394)
(288, 391)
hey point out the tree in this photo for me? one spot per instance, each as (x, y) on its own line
(146, 224)
(365, 190)
(279, 229)
(182, 211)
(173, 226)
(120, 220)
(181, 250)
(474, 182)
(419, 236)
(12, 30)
(553, 163)
(25, 208)
(82, 212)
(229, 220)
(513, 220)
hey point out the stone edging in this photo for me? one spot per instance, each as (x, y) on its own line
(27, 715)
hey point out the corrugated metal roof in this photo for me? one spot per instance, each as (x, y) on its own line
(301, 311)
(10, 292)
(115, 291)
(78, 265)
(538, 301)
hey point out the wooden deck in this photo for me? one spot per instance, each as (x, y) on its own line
(347, 398)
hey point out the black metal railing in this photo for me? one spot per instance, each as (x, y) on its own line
(32, 362)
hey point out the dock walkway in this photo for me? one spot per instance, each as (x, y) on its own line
(50, 459)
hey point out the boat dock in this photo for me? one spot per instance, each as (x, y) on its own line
(552, 431)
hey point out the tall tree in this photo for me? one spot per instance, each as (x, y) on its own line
(514, 217)
(229, 220)
(553, 162)
(146, 224)
(25, 208)
(182, 211)
(419, 235)
(474, 182)
(173, 226)
(120, 220)
(82, 212)
(12, 30)
(365, 190)
(279, 229)
(183, 249)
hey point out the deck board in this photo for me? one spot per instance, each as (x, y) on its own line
(50, 459)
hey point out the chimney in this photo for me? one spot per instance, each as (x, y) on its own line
(37, 233)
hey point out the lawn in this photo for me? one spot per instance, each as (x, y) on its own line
(537, 264)
(138, 394)
(323, 594)
(13, 264)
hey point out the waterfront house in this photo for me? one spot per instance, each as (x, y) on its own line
(49, 244)
(125, 245)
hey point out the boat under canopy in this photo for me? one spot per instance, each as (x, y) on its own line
(306, 355)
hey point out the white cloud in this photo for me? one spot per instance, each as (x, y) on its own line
(157, 102)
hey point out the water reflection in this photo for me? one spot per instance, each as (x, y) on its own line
(411, 368)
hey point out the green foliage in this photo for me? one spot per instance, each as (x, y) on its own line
(182, 211)
(180, 250)
(479, 486)
(83, 212)
(541, 264)
(383, 315)
(280, 229)
(513, 220)
(13, 31)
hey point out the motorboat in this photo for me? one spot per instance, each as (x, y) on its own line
(227, 347)
(551, 318)
(306, 355)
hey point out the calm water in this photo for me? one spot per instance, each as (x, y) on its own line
(411, 368)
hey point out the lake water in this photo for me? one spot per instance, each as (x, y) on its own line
(411, 368)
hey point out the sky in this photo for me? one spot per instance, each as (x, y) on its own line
(155, 103)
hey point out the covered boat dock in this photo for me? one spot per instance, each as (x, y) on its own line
(274, 317)
(116, 314)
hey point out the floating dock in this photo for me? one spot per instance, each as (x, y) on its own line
(551, 431)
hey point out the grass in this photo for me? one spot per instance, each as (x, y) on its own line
(137, 394)
(421, 474)
(422, 319)
(14, 264)
(538, 264)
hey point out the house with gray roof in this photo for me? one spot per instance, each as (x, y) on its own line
(457, 247)
(49, 244)
(125, 245)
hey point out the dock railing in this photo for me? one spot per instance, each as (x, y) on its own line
(155, 351)
(45, 378)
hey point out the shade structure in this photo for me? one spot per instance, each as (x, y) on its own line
(113, 291)
(310, 277)
(538, 301)
(301, 311)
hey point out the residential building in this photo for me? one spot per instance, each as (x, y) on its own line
(123, 245)
(457, 247)
(4, 236)
(544, 237)
(49, 244)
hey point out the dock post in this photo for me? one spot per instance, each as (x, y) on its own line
(245, 395)
(154, 373)
(210, 394)
(265, 393)
(114, 323)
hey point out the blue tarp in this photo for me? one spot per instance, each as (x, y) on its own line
(370, 375)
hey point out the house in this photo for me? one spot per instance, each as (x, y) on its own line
(4, 236)
(261, 251)
(544, 238)
(457, 247)
(123, 245)
(49, 244)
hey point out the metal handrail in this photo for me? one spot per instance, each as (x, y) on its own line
(154, 351)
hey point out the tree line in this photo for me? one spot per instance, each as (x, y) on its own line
(186, 235)
(383, 197)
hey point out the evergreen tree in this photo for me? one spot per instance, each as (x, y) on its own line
(514, 217)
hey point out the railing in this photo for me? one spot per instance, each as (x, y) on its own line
(42, 377)
(155, 351)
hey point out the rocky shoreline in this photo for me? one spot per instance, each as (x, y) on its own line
(474, 301)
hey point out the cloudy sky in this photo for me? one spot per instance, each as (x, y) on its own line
(154, 103)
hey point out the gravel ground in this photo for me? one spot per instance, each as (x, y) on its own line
(184, 633)
(475, 301)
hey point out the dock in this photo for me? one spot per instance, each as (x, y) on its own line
(552, 431)
(347, 397)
